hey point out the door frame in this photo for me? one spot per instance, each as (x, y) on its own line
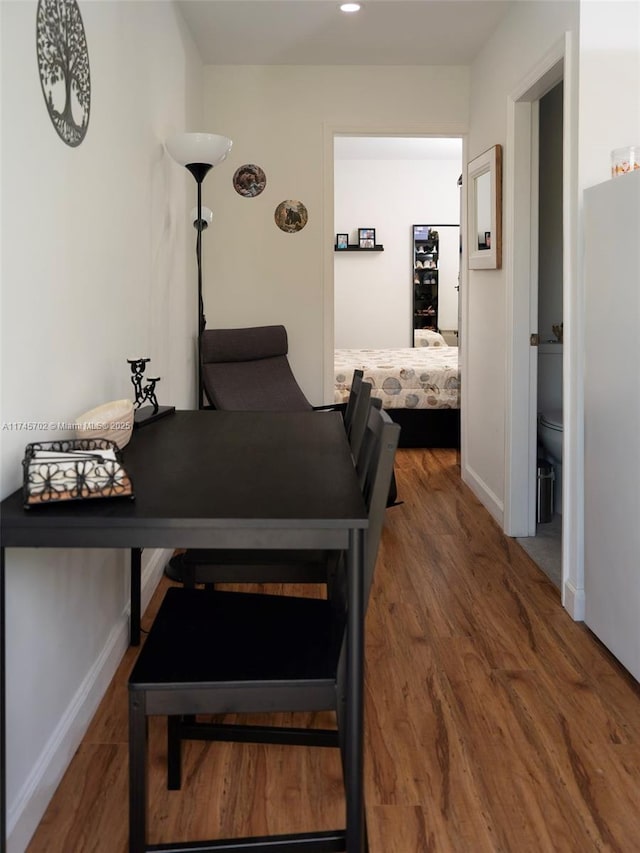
(521, 314)
(330, 131)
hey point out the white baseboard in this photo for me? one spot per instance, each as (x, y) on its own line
(573, 601)
(484, 494)
(153, 564)
(26, 811)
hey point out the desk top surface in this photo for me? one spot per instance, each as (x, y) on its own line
(202, 471)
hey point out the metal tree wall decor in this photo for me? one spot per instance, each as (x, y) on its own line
(63, 64)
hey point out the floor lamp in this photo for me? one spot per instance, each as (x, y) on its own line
(199, 152)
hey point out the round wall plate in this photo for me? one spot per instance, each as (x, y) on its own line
(291, 216)
(249, 180)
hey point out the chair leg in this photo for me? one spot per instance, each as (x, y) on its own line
(138, 772)
(188, 574)
(174, 753)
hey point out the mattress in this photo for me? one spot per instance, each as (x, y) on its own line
(408, 378)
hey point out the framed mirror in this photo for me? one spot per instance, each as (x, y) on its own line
(484, 210)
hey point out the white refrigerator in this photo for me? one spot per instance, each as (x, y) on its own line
(612, 416)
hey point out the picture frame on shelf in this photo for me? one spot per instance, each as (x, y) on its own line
(366, 238)
(342, 241)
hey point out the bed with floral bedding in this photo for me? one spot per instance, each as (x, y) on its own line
(408, 378)
(418, 386)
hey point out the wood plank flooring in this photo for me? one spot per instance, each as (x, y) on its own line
(493, 721)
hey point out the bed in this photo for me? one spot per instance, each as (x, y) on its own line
(419, 387)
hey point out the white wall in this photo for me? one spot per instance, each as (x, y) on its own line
(373, 292)
(283, 119)
(526, 34)
(609, 84)
(96, 268)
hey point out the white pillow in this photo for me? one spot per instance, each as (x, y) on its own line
(428, 338)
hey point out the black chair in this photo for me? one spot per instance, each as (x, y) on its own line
(248, 370)
(210, 566)
(238, 652)
(357, 411)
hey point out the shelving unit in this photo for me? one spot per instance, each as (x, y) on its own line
(377, 248)
(425, 277)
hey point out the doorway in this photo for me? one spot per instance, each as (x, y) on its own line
(389, 183)
(527, 264)
(546, 546)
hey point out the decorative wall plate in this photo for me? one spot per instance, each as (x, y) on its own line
(249, 180)
(63, 65)
(291, 216)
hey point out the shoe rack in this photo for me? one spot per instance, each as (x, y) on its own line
(425, 277)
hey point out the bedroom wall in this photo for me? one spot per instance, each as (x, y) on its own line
(95, 254)
(283, 119)
(373, 292)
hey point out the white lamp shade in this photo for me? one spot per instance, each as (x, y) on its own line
(208, 148)
(206, 214)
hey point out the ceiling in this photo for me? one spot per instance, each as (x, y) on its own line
(316, 32)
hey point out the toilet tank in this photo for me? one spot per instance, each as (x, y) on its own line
(549, 377)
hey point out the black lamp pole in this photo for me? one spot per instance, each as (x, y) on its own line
(199, 152)
(199, 172)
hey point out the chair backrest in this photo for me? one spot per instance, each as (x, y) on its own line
(356, 382)
(381, 441)
(363, 458)
(357, 412)
(248, 370)
(374, 467)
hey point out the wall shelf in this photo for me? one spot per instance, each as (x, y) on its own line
(377, 248)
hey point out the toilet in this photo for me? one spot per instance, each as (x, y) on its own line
(550, 437)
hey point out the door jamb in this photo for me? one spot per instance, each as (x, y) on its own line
(521, 243)
(517, 495)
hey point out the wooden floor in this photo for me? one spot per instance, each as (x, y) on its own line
(493, 722)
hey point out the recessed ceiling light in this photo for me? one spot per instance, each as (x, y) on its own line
(350, 7)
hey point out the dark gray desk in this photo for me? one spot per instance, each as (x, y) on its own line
(227, 480)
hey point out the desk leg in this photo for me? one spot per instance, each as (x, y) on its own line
(354, 747)
(3, 716)
(136, 596)
(138, 772)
